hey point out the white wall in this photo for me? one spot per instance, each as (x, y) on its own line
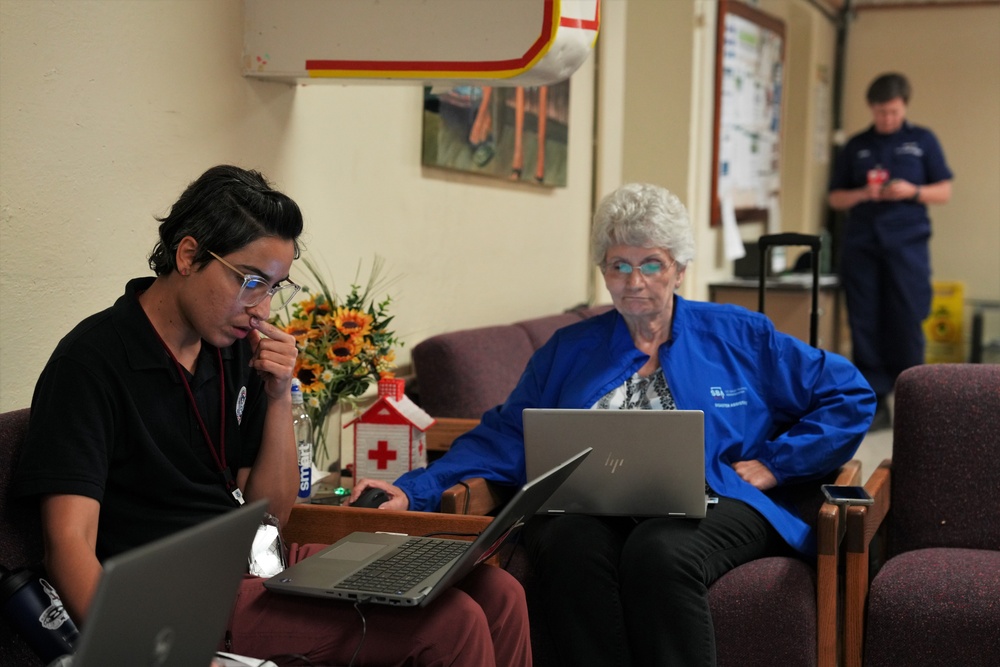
(108, 109)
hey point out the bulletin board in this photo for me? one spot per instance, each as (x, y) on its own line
(749, 87)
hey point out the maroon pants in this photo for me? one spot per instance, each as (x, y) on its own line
(480, 622)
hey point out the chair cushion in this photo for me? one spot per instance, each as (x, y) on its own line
(944, 460)
(20, 523)
(764, 614)
(465, 373)
(540, 330)
(935, 606)
(20, 530)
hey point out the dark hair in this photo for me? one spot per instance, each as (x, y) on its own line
(224, 210)
(888, 87)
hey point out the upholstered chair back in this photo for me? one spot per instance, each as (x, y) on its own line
(20, 530)
(947, 418)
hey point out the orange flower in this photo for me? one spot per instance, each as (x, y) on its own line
(344, 349)
(350, 322)
(303, 330)
(309, 375)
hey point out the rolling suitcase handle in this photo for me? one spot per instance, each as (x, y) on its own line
(792, 239)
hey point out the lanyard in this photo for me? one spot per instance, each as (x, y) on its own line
(218, 455)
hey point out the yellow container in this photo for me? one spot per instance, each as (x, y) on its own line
(943, 327)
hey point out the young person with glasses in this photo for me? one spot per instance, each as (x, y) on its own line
(174, 405)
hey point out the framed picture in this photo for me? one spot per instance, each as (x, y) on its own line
(518, 134)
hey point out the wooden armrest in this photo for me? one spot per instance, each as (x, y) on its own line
(445, 430)
(831, 526)
(325, 524)
(863, 522)
(474, 496)
(830, 530)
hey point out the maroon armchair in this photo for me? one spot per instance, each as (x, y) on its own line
(20, 530)
(932, 537)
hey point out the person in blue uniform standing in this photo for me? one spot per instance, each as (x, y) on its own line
(884, 178)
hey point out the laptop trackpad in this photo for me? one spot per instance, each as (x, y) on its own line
(356, 551)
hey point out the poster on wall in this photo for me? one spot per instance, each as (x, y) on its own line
(515, 133)
(746, 174)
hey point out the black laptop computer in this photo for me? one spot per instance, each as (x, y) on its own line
(378, 567)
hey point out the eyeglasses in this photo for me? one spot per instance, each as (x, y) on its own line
(255, 289)
(647, 269)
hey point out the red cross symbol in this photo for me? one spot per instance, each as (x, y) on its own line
(383, 455)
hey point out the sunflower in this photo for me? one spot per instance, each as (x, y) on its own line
(317, 303)
(310, 375)
(304, 330)
(345, 349)
(351, 322)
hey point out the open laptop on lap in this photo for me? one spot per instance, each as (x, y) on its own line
(167, 603)
(341, 570)
(645, 462)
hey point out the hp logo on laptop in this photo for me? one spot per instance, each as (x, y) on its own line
(614, 463)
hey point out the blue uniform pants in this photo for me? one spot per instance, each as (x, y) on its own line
(887, 289)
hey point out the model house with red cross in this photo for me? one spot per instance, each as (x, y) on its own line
(390, 436)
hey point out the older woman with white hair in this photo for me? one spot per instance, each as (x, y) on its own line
(622, 590)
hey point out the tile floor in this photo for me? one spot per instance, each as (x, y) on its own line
(875, 448)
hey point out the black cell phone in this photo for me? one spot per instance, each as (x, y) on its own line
(847, 495)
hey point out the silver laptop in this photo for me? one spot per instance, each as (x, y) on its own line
(341, 571)
(645, 462)
(167, 603)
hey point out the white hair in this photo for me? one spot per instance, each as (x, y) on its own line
(644, 215)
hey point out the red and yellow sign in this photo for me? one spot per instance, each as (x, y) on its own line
(499, 42)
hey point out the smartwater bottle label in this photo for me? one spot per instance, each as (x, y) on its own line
(305, 469)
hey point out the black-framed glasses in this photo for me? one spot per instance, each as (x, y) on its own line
(255, 289)
(648, 269)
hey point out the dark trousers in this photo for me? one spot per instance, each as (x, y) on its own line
(887, 289)
(623, 591)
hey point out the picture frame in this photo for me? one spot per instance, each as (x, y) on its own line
(519, 134)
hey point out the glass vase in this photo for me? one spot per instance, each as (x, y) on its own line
(326, 446)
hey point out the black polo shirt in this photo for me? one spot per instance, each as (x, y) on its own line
(110, 420)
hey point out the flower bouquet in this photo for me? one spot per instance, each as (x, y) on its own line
(344, 345)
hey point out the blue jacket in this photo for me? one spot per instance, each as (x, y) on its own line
(767, 396)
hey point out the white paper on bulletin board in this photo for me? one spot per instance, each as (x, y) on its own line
(749, 89)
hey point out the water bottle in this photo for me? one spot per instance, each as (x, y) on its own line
(303, 440)
(31, 605)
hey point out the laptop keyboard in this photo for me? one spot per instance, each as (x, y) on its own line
(411, 563)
